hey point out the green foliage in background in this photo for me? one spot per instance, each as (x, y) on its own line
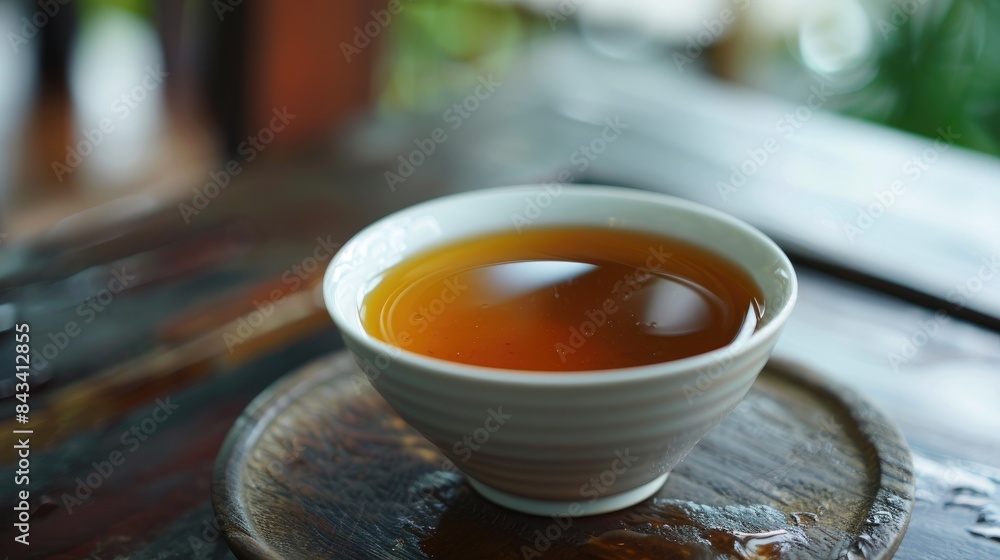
(938, 61)
(434, 48)
(939, 66)
(141, 8)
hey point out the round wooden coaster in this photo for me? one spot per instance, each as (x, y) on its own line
(319, 466)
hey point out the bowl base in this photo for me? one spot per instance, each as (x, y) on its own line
(576, 508)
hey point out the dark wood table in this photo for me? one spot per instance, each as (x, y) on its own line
(137, 396)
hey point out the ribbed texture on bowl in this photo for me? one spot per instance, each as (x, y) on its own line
(554, 442)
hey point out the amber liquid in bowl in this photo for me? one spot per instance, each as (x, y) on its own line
(563, 299)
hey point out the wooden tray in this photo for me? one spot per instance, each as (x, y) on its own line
(319, 466)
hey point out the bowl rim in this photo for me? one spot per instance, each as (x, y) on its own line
(445, 368)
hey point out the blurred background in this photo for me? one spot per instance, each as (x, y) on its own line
(171, 172)
(181, 84)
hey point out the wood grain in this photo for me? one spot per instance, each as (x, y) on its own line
(321, 466)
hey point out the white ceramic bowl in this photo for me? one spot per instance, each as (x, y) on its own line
(559, 443)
